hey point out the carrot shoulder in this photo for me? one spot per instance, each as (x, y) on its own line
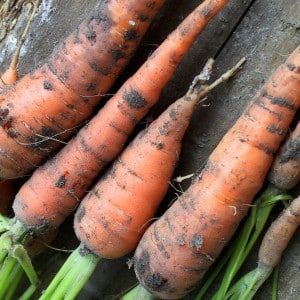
(176, 251)
(43, 107)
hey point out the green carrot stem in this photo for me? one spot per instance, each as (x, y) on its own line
(5, 272)
(72, 276)
(28, 293)
(248, 236)
(275, 282)
(138, 292)
(260, 275)
(20, 254)
(214, 273)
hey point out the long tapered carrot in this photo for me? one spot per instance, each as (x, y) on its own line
(113, 216)
(54, 190)
(176, 251)
(41, 109)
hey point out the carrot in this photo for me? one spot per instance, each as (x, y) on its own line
(255, 223)
(176, 250)
(127, 196)
(42, 108)
(274, 243)
(55, 189)
(285, 171)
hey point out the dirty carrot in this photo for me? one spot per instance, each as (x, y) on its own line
(285, 171)
(127, 196)
(176, 250)
(55, 189)
(40, 110)
(271, 250)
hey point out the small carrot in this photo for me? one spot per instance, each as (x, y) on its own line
(176, 250)
(127, 196)
(42, 108)
(285, 171)
(274, 243)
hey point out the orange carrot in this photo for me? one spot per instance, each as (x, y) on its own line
(113, 216)
(42, 108)
(54, 190)
(285, 171)
(8, 190)
(176, 251)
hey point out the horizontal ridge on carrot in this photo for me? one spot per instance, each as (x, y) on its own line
(43, 107)
(113, 216)
(176, 250)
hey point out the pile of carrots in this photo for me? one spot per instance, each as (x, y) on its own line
(113, 215)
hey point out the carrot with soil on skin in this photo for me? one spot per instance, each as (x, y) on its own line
(73, 79)
(127, 196)
(285, 171)
(274, 243)
(176, 250)
(255, 223)
(54, 190)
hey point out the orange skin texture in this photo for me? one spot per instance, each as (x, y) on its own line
(279, 234)
(176, 250)
(47, 199)
(113, 216)
(45, 105)
(285, 170)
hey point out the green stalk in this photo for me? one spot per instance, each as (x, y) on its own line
(275, 282)
(72, 276)
(245, 241)
(215, 272)
(7, 268)
(138, 292)
(14, 279)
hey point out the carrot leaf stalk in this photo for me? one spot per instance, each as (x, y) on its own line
(236, 254)
(271, 249)
(77, 270)
(138, 292)
(11, 247)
